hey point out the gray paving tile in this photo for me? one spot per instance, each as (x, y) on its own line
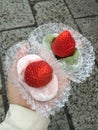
(2, 115)
(38, 0)
(81, 8)
(1, 43)
(53, 11)
(89, 27)
(11, 37)
(0, 82)
(15, 14)
(83, 103)
(59, 121)
(0, 76)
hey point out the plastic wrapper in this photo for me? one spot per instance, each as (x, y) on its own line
(19, 50)
(86, 61)
(34, 46)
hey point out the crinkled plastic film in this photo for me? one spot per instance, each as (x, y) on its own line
(34, 46)
(23, 48)
(82, 44)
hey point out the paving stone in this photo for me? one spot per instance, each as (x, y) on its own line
(0, 77)
(52, 11)
(1, 43)
(0, 82)
(89, 27)
(15, 14)
(38, 0)
(2, 115)
(11, 37)
(81, 8)
(83, 103)
(59, 121)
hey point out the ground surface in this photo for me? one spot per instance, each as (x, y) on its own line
(19, 17)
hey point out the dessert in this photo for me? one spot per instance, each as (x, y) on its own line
(64, 48)
(77, 60)
(43, 66)
(38, 77)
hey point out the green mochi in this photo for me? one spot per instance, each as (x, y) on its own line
(49, 39)
(72, 59)
(71, 63)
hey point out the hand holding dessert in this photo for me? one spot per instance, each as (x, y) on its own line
(38, 77)
(39, 70)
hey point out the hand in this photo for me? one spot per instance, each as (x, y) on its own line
(15, 97)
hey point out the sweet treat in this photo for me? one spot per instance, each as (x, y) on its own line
(48, 39)
(72, 63)
(71, 49)
(63, 47)
(43, 66)
(37, 73)
(38, 77)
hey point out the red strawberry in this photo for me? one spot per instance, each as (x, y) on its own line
(64, 45)
(38, 74)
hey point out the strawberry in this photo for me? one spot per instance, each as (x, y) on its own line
(38, 74)
(63, 45)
